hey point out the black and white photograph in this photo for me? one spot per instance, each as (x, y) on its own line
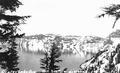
(59, 36)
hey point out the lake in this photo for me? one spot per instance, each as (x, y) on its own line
(29, 61)
(32, 61)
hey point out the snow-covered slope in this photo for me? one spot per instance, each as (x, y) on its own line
(69, 44)
(106, 61)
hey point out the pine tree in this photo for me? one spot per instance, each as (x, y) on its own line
(45, 62)
(8, 34)
(50, 59)
(112, 10)
(118, 56)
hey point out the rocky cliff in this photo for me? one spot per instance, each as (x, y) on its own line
(70, 44)
(106, 60)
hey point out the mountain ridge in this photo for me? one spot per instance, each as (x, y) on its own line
(69, 43)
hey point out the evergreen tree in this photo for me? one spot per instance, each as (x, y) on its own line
(8, 34)
(45, 62)
(112, 10)
(50, 59)
(118, 56)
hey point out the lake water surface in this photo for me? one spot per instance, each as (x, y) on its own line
(29, 61)
(32, 61)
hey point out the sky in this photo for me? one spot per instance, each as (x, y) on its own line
(67, 17)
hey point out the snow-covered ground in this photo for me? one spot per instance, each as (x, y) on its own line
(106, 61)
(78, 45)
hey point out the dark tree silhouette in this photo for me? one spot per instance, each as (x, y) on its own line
(45, 62)
(113, 10)
(51, 58)
(118, 56)
(8, 35)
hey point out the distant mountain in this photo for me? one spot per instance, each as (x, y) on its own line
(115, 34)
(69, 44)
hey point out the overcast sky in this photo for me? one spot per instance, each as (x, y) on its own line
(67, 17)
